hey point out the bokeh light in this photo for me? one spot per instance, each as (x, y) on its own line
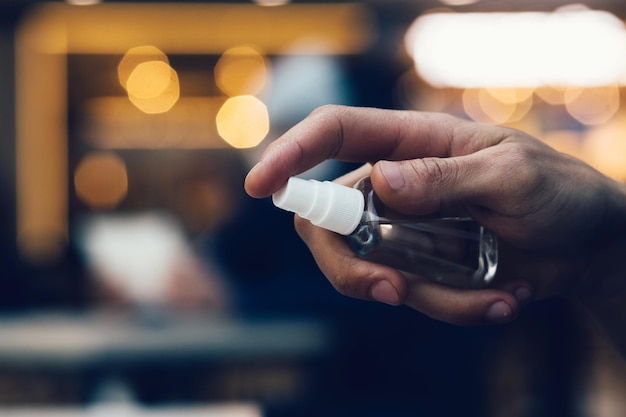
(151, 83)
(593, 106)
(136, 56)
(457, 2)
(605, 146)
(149, 79)
(566, 141)
(510, 95)
(101, 180)
(558, 95)
(153, 87)
(242, 70)
(526, 49)
(82, 2)
(483, 106)
(116, 123)
(243, 121)
(271, 2)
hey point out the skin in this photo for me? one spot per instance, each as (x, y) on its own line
(561, 224)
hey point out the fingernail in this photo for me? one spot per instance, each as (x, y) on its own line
(386, 293)
(523, 294)
(392, 173)
(499, 312)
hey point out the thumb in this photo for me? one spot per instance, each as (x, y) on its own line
(426, 185)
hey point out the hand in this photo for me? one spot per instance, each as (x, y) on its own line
(550, 211)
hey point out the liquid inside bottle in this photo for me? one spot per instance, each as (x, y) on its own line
(455, 251)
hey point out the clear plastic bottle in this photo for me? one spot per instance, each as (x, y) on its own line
(455, 251)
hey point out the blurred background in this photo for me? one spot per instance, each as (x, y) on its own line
(137, 277)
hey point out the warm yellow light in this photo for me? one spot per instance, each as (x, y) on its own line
(149, 79)
(458, 2)
(496, 110)
(136, 56)
(243, 121)
(211, 28)
(566, 141)
(83, 2)
(510, 95)
(271, 2)
(241, 71)
(101, 181)
(558, 95)
(41, 138)
(482, 106)
(49, 31)
(605, 147)
(593, 106)
(153, 87)
(115, 123)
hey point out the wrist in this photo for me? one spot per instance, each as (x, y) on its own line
(601, 289)
(605, 272)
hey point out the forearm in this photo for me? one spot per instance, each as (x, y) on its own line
(606, 302)
(603, 290)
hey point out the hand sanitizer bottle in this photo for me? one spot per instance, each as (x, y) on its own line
(455, 251)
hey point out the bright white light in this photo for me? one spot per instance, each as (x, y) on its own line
(270, 3)
(530, 49)
(83, 2)
(458, 2)
(136, 254)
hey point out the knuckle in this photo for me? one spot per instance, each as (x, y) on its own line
(326, 111)
(521, 164)
(342, 285)
(329, 120)
(351, 279)
(438, 170)
(433, 174)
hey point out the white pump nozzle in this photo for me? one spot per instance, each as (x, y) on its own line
(326, 204)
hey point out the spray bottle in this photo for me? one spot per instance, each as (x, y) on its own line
(454, 251)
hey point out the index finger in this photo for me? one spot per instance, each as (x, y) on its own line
(358, 135)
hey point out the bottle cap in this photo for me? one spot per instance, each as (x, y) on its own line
(326, 204)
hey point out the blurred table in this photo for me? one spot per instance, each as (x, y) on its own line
(155, 358)
(226, 410)
(63, 339)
